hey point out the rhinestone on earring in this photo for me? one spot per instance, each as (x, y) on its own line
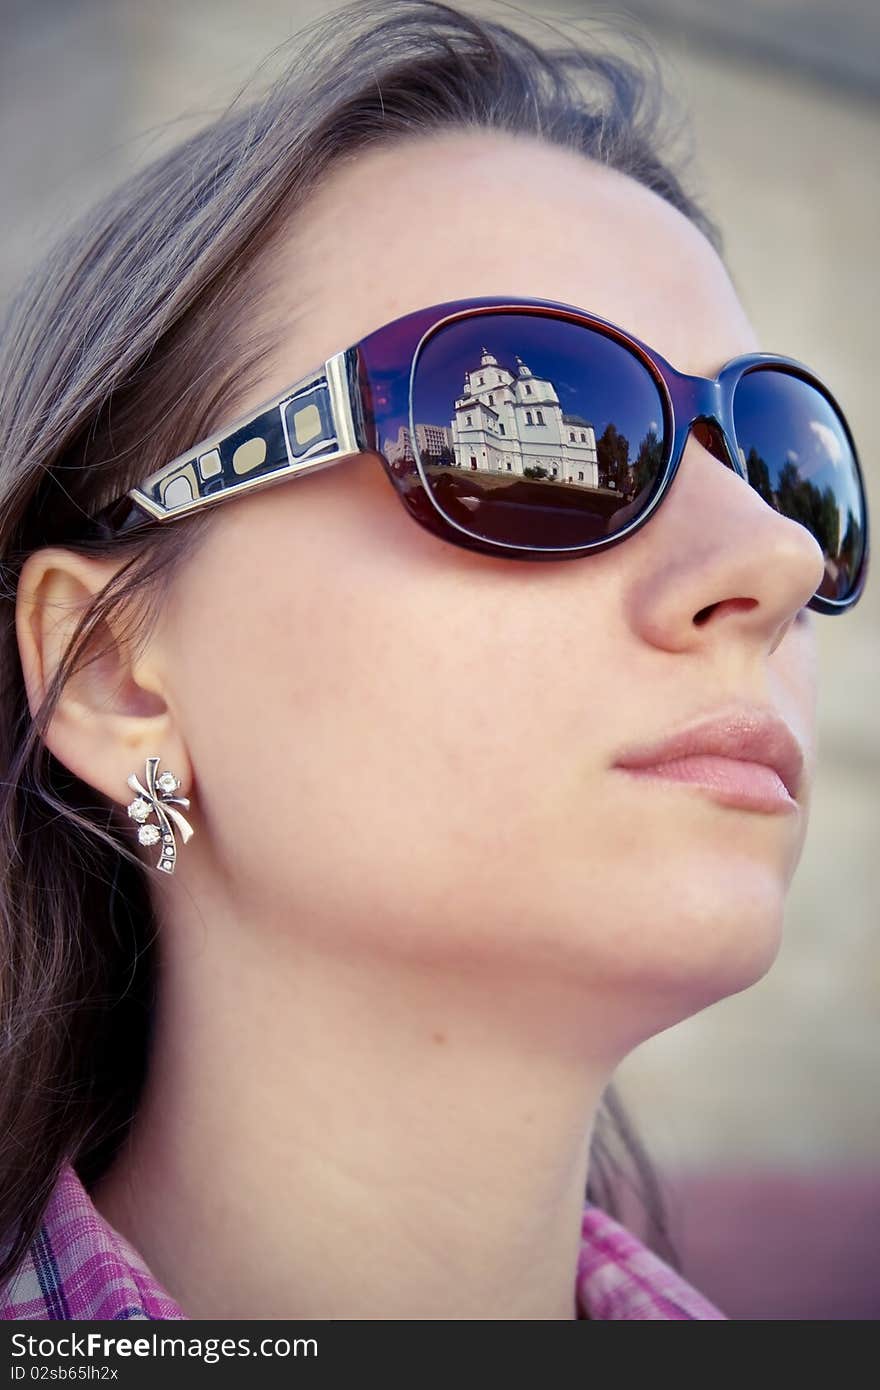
(156, 796)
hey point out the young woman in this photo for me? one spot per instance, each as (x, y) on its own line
(411, 559)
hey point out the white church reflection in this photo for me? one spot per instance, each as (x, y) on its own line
(510, 425)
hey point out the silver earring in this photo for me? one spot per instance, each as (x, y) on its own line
(156, 796)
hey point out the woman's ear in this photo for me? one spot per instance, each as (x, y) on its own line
(113, 712)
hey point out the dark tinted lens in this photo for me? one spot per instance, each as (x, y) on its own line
(799, 458)
(535, 431)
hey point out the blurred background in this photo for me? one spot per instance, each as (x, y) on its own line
(763, 1112)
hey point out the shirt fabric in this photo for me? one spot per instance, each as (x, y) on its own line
(79, 1267)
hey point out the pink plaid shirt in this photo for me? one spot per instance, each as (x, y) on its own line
(79, 1267)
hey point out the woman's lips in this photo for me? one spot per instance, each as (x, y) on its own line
(732, 781)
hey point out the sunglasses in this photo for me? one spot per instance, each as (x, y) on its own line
(527, 429)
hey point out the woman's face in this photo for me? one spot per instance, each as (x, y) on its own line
(400, 750)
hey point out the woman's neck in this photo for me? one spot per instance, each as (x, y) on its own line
(326, 1138)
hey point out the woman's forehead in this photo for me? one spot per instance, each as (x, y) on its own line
(464, 214)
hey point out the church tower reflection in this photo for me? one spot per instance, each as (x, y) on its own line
(515, 424)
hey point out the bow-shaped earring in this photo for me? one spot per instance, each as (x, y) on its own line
(156, 796)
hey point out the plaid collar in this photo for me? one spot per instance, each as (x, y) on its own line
(79, 1267)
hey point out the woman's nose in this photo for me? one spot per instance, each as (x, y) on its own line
(723, 562)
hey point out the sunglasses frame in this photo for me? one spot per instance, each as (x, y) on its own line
(343, 410)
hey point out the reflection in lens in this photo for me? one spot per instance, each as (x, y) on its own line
(534, 431)
(798, 457)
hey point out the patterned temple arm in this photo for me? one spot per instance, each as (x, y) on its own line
(309, 426)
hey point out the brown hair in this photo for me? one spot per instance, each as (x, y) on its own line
(123, 346)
